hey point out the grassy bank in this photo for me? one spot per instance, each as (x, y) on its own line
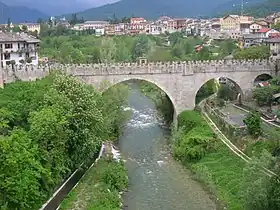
(213, 164)
(99, 188)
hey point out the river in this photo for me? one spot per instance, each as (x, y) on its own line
(156, 181)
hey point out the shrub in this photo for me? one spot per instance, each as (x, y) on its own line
(253, 123)
(195, 144)
(190, 119)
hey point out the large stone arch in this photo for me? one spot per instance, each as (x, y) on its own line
(105, 82)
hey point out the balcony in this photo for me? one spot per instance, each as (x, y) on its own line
(27, 49)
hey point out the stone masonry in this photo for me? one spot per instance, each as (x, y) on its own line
(179, 80)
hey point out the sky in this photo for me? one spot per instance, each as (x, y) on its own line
(58, 7)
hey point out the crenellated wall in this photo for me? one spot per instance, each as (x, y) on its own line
(180, 80)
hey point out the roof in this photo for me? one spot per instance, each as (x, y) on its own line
(274, 35)
(95, 22)
(232, 16)
(273, 40)
(262, 84)
(17, 37)
(264, 30)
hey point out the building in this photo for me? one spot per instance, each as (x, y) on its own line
(137, 20)
(254, 27)
(265, 32)
(32, 27)
(236, 23)
(230, 22)
(252, 40)
(18, 48)
(274, 45)
(276, 20)
(90, 25)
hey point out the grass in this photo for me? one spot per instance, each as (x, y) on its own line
(92, 193)
(221, 171)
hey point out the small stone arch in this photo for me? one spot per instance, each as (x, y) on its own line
(223, 79)
(262, 78)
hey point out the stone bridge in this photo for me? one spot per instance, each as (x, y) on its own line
(179, 80)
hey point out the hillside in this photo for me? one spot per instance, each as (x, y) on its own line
(152, 9)
(19, 14)
(263, 9)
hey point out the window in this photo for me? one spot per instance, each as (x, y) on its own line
(7, 56)
(8, 46)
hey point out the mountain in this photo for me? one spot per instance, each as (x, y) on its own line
(234, 5)
(264, 9)
(53, 7)
(152, 9)
(19, 14)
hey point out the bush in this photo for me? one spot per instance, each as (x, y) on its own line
(195, 144)
(115, 176)
(190, 119)
(253, 122)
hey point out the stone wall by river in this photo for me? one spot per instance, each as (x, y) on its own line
(156, 181)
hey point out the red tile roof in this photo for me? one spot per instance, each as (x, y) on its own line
(274, 35)
(263, 30)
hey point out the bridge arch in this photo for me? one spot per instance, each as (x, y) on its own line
(217, 81)
(262, 77)
(109, 83)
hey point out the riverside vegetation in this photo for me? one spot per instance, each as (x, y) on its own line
(48, 128)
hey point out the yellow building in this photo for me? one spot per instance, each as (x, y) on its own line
(230, 23)
(32, 27)
(277, 20)
(236, 23)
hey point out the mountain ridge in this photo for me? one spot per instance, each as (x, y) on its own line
(152, 9)
(19, 14)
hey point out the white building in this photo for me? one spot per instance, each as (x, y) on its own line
(18, 48)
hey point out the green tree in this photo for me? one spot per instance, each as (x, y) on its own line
(108, 50)
(253, 122)
(256, 184)
(254, 52)
(263, 95)
(24, 28)
(141, 47)
(20, 172)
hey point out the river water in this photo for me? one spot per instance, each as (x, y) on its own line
(156, 181)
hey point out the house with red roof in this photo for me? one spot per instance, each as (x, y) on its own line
(265, 32)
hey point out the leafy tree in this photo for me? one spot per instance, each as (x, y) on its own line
(24, 28)
(224, 92)
(263, 95)
(108, 50)
(254, 52)
(20, 171)
(257, 186)
(141, 47)
(253, 122)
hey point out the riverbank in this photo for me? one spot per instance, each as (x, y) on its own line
(211, 162)
(99, 188)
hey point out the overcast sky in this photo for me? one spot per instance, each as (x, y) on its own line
(58, 7)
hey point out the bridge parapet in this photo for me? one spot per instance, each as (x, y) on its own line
(184, 68)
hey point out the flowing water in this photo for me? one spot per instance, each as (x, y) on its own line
(156, 181)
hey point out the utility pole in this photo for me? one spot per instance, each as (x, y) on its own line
(242, 7)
